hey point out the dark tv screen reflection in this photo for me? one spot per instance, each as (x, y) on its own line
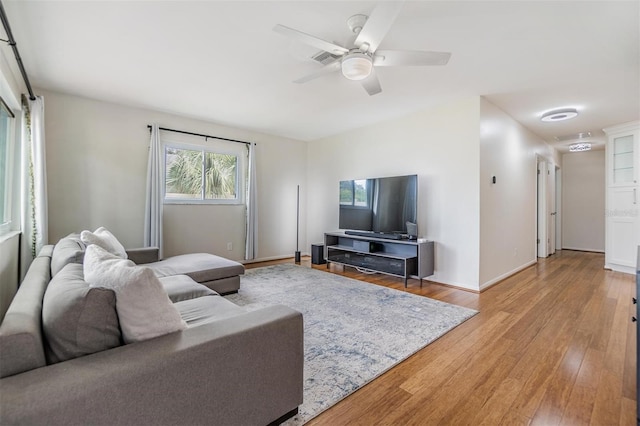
(381, 205)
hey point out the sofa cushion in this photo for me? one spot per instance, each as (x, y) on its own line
(46, 251)
(201, 267)
(204, 310)
(69, 249)
(143, 255)
(78, 320)
(105, 239)
(181, 287)
(224, 286)
(143, 307)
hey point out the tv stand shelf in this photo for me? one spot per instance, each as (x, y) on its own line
(400, 258)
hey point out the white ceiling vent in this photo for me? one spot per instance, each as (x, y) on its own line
(574, 136)
(325, 57)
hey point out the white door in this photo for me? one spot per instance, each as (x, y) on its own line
(551, 209)
(542, 209)
(558, 209)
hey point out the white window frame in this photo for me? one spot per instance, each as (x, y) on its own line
(216, 201)
(6, 222)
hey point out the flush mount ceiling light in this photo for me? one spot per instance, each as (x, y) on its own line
(578, 147)
(356, 66)
(559, 114)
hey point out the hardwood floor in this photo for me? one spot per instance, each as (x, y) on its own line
(553, 344)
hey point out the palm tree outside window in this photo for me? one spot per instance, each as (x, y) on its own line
(200, 176)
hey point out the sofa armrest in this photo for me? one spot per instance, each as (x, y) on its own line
(241, 370)
(143, 255)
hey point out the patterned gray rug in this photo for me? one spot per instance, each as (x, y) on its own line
(353, 331)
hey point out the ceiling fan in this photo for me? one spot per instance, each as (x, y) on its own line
(358, 61)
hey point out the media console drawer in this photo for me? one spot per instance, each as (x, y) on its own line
(373, 263)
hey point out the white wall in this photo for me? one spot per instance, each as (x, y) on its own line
(583, 200)
(8, 270)
(97, 155)
(441, 146)
(96, 168)
(508, 208)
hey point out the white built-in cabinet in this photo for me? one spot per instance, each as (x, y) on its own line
(622, 215)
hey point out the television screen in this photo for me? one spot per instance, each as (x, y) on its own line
(382, 205)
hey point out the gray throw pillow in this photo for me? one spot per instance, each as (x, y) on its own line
(69, 249)
(78, 320)
(105, 239)
(144, 308)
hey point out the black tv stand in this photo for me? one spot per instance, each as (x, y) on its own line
(400, 258)
(371, 234)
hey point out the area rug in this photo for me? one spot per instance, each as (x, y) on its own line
(353, 331)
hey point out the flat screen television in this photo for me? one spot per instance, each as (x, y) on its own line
(379, 205)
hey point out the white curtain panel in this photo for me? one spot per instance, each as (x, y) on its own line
(34, 214)
(251, 247)
(154, 200)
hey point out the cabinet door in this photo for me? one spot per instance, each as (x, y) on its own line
(623, 160)
(622, 226)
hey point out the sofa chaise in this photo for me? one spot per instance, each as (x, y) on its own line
(63, 360)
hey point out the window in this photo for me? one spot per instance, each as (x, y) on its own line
(6, 163)
(354, 193)
(197, 175)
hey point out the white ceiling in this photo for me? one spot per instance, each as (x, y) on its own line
(220, 61)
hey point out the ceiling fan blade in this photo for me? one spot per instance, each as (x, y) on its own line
(371, 84)
(310, 40)
(329, 68)
(392, 58)
(378, 24)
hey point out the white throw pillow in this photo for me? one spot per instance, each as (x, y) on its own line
(105, 239)
(143, 306)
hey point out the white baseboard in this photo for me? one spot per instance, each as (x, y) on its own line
(620, 268)
(583, 249)
(267, 259)
(504, 276)
(457, 285)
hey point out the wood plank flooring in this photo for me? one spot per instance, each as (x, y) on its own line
(552, 345)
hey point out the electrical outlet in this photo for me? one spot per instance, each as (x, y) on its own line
(229, 246)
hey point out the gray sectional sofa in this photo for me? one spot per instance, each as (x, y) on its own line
(63, 361)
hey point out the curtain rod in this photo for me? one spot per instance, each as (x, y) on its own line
(14, 46)
(200, 134)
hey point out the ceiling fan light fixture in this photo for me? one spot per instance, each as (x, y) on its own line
(559, 115)
(356, 66)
